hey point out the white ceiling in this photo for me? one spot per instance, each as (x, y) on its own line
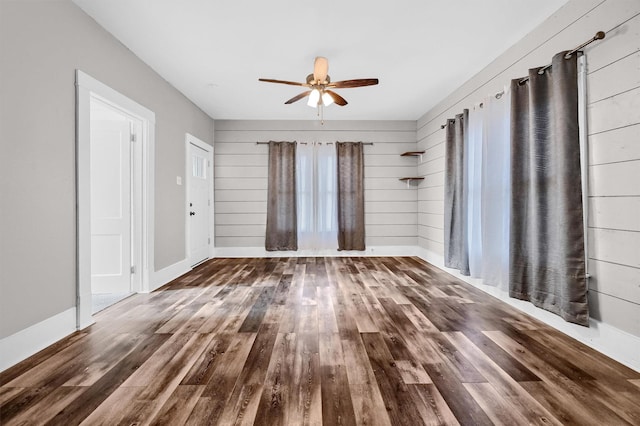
(213, 51)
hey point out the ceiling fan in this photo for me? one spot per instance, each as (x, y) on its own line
(320, 85)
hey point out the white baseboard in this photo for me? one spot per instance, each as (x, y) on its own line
(261, 252)
(170, 273)
(611, 341)
(21, 345)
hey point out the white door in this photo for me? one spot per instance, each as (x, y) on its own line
(111, 205)
(199, 204)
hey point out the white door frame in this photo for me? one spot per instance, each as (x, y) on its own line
(190, 139)
(87, 88)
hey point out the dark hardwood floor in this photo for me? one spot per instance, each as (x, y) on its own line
(333, 341)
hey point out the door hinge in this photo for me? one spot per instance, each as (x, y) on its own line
(209, 240)
(133, 269)
(133, 137)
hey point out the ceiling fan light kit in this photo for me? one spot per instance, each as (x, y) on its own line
(326, 99)
(314, 98)
(320, 84)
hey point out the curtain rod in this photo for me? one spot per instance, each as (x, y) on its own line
(598, 36)
(305, 143)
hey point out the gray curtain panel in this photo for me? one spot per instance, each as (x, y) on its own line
(456, 251)
(547, 265)
(282, 231)
(350, 195)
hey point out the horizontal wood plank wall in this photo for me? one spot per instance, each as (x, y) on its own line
(614, 144)
(241, 176)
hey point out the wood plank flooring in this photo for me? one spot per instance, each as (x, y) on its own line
(333, 341)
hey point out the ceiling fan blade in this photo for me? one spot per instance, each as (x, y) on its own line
(293, 83)
(345, 84)
(298, 97)
(339, 100)
(320, 69)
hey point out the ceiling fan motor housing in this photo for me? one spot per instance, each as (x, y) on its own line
(311, 80)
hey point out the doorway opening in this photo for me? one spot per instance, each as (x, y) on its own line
(114, 162)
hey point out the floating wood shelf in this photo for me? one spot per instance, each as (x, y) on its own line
(415, 178)
(411, 179)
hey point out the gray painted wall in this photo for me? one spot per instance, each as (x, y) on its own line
(41, 45)
(241, 176)
(614, 135)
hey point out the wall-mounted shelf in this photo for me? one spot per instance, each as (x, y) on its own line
(413, 154)
(415, 178)
(411, 179)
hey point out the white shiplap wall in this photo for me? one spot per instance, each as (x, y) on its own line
(614, 141)
(241, 176)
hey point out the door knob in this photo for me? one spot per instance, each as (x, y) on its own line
(192, 213)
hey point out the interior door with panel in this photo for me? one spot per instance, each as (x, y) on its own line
(199, 204)
(111, 205)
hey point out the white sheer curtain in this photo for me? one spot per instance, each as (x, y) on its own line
(496, 190)
(317, 198)
(488, 177)
(474, 182)
(304, 184)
